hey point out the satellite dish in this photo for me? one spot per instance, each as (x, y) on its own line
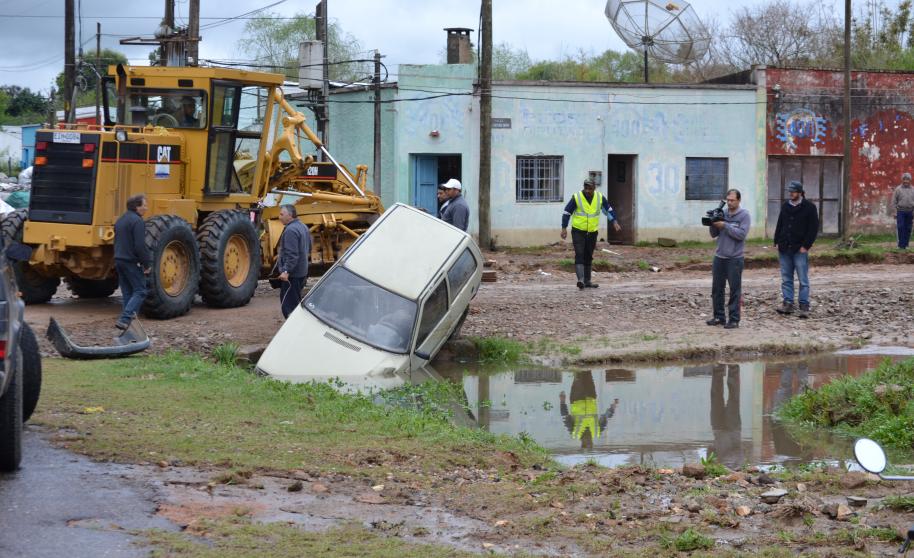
(669, 31)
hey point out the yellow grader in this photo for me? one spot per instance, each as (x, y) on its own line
(213, 150)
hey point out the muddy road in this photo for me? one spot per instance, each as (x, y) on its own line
(633, 315)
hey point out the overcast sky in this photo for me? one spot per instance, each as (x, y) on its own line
(405, 31)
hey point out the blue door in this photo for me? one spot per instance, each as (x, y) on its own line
(425, 189)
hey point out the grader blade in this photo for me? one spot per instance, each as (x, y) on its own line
(134, 340)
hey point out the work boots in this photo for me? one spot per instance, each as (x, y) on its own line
(785, 308)
(804, 311)
(587, 271)
(579, 271)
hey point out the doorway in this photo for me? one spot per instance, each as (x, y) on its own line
(620, 191)
(821, 178)
(427, 172)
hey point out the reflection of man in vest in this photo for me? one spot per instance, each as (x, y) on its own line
(585, 422)
(584, 212)
(725, 419)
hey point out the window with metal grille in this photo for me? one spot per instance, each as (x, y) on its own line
(706, 178)
(539, 179)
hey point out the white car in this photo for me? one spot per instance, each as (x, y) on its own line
(385, 308)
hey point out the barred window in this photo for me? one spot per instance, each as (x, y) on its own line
(706, 178)
(539, 179)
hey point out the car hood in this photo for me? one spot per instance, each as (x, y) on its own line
(306, 349)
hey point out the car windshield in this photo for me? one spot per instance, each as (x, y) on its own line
(363, 310)
(171, 109)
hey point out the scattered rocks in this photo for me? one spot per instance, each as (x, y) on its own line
(856, 502)
(854, 479)
(319, 488)
(773, 496)
(694, 471)
(801, 488)
(764, 478)
(839, 512)
(742, 511)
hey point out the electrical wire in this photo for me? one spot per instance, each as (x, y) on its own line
(242, 16)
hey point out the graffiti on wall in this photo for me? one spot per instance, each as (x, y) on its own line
(663, 180)
(657, 125)
(555, 124)
(799, 124)
(447, 115)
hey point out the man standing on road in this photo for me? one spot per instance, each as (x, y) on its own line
(796, 231)
(728, 261)
(455, 210)
(903, 203)
(131, 258)
(294, 250)
(584, 212)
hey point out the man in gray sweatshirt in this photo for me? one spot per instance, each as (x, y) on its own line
(728, 261)
(903, 204)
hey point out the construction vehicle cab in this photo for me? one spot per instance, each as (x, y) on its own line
(210, 148)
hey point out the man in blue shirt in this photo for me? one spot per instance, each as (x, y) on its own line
(584, 213)
(131, 258)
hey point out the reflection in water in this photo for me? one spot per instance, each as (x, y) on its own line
(665, 415)
(584, 422)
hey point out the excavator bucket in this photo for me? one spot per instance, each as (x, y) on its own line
(131, 341)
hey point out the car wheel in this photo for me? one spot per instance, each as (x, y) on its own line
(31, 371)
(11, 423)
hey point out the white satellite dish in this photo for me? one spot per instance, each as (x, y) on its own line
(669, 31)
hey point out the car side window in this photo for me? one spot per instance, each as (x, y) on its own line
(461, 271)
(433, 311)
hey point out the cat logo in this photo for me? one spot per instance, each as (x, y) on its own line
(163, 158)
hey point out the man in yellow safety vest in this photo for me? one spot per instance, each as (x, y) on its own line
(584, 213)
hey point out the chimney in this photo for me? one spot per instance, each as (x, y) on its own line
(459, 50)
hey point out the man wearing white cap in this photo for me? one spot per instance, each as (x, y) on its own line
(903, 204)
(457, 212)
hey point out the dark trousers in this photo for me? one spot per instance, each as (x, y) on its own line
(290, 294)
(132, 281)
(903, 220)
(730, 271)
(584, 244)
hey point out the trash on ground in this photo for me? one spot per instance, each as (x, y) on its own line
(133, 340)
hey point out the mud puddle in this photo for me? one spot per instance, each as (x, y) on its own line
(662, 415)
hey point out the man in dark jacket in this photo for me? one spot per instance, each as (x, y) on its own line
(294, 250)
(796, 231)
(456, 211)
(131, 258)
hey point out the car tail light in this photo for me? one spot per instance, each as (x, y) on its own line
(39, 161)
(41, 145)
(2, 349)
(88, 147)
(88, 163)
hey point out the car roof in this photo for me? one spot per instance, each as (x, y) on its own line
(404, 250)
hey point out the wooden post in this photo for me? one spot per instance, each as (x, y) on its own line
(98, 70)
(377, 123)
(485, 126)
(69, 61)
(846, 186)
(193, 33)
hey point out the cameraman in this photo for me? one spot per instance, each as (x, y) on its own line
(728, 260)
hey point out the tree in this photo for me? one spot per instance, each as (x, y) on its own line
(273, 42)
(23, 102)
(508, 63)
(87, 73)
(779, 33)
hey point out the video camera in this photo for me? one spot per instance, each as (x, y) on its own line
(714, 215)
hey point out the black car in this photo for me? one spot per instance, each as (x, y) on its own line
(20, 368)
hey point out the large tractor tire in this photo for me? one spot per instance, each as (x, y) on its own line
(91, 288)
(229, 259)
(175, 274)
(31, 371)
(35, 288)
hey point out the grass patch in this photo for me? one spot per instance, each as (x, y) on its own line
(226, 354)
(899, 503)
(688, 541)
(877, 404)
(181, 407)
(241, 537)
(713, 467)
(498, 350)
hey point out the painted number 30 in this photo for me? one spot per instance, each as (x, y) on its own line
(664, 179)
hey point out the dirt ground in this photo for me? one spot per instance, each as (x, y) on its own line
(636, 313)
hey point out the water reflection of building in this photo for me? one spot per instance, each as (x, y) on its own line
(666, 414)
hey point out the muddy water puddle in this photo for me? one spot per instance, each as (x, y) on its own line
(663, 415)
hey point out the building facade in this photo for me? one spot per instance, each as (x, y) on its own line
(663, 154)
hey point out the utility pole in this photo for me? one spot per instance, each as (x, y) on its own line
(485, 126)
(846, 182)
(193, 33)
(99, 72)
(321, 29)
(377, 122)
(69, 60)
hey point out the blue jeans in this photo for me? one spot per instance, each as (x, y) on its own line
(791, 263)
(290, 294)
(903, 220)
(723, 271)
(132, 281)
